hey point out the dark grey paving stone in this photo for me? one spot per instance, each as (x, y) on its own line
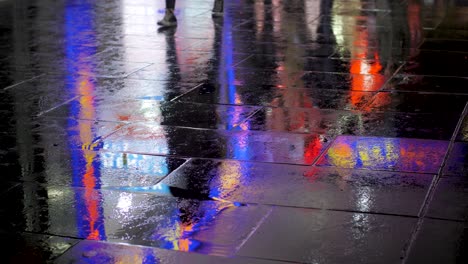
(448, 45)
(272, 96)
(278, 78)
(147, 110)
(300, 120)
(440, 242)
(60, 88)
(332, 122)
(437, 63)
(154, 218)
(421, 83)
(359, 53)
(61, 166)
(239, 145)
(308, 236)
(35, 145)
(36, 96)
(463, 133)
(33, 248)
(271, 47)
(457, 162)
(189, 66)
(185, 225)
(450, 199)
(344, 81)
(418, 102)
(99, 252)
(394, 154)
(302, 186)
(451, 34)
(136, 55)
(315, 64)
(8, 79)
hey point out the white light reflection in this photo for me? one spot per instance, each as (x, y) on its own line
(125, 202)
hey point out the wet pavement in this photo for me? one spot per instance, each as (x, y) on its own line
(287, 131)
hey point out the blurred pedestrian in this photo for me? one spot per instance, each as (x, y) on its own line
(170, 19)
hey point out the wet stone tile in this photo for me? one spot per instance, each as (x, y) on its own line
(452, 34)
(107, 68)
(333, 123)
(100, 252)
(395, 154)
(407, 125)
(437, 63)
(301, 186)
(306, 237)
(138, 55)
(11, 210)
(418, 102)
(33, 248)
(446, 240)
(463, 133)
(239, 145)
(450, 199)
(113, 89)
(448, 45)
(457, 162)
(367, 52)
(35, 96)
(214, 228)
(266, 77)
(159, 72)
(70, 133)
(353, 82)
(282, 97)
(317, 64)
(299, 120)
(84, 168)
(272, 48)
(7, 80)
(421, 83)
(26, 151)
(163, 113)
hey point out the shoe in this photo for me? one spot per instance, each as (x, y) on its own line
(169, 19)
(218, 8)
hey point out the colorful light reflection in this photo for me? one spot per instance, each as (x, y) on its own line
(79, 32)
(412, 155)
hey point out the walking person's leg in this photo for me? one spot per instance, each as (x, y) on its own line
(218, 7)
(169, 19)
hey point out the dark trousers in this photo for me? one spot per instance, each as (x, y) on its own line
(170, 4)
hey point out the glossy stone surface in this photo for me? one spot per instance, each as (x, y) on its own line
(315, 228)
(395, 154)
(333, 122)
(98, 252)
(284, 131)
(231, 144)
(446, 240)
(33, 248)
(450, 199)
(303, 186)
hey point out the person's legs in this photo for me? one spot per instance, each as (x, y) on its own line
(218, 7)
(169, 19)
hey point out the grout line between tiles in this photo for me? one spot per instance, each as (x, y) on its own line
(432, 188)
(254, 229)
(57, 106)
(249, 116)
(24, 81)
(174, 171)
(189, 91)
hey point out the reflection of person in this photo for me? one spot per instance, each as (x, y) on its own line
(170, 19)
